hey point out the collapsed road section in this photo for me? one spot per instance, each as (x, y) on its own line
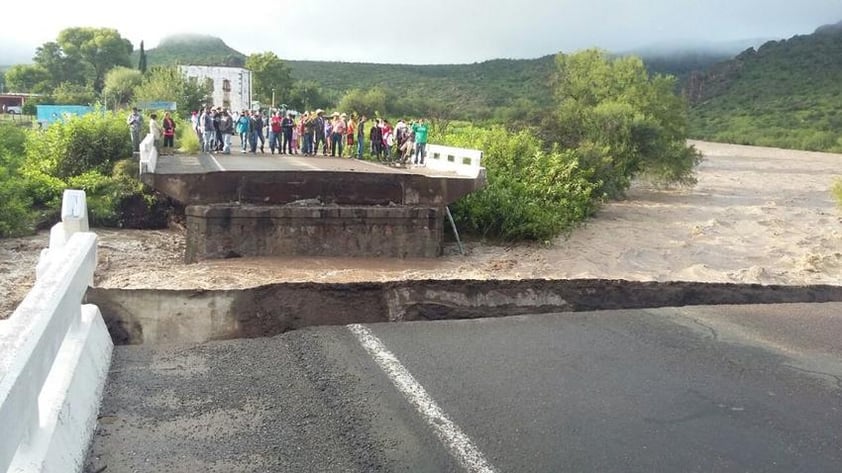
(137, 316)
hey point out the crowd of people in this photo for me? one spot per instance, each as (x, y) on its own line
(311, 134)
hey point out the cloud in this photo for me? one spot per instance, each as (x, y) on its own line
(435, 31)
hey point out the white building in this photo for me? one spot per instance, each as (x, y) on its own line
(230, 86)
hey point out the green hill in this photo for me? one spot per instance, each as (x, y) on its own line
(786, 94)
(467, 88)
(192, 49)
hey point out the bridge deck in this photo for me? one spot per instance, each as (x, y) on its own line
(208, 163)
(266, 179)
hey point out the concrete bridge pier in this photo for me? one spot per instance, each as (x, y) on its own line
(245, 206)
(233, 230)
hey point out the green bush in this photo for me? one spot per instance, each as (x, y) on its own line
(12, 141)
(531, 194)
(102, 193)
(185, 137)
(621, 122)
(15, 214)
(15, 203)
(92, 142)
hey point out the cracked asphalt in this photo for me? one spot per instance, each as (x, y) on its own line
(701, 389)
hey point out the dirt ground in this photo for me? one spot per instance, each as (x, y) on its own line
(757, 215)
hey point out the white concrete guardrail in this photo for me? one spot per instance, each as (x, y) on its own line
(462, 161)
(54, 356)
(148, 155)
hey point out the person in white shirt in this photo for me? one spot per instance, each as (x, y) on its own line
(156, 131)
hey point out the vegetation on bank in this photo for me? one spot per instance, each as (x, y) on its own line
(781, 95)
(91, 153)
(610, 122)
(607, 121)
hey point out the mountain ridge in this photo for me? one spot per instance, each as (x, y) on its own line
(784, 93)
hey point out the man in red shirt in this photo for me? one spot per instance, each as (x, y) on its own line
(275, 133)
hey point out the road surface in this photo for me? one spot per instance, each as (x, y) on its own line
(725, 389)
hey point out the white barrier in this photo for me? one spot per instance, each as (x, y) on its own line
(54, 359)
(462, 161)
(148, 155)
(74, 219)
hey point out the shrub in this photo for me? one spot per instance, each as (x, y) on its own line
(531, 194)
(92, 142)
(15, 214)
(622, 122)
(186, 138)
(101, 192)
(15, 203)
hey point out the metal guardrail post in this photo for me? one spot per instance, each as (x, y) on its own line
(455, 232)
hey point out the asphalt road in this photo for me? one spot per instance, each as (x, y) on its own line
(724, 389)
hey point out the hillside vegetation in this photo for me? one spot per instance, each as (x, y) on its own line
(785, 94)
(481, 90)
(468, 89)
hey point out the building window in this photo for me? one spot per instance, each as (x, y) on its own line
(209, 84)
(226, 85)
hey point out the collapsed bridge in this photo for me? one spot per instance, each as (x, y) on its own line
(306, 206)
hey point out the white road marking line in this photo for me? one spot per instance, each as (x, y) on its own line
(459, 444)
(216, 162)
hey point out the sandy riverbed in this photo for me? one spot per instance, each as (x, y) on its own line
(757, 215)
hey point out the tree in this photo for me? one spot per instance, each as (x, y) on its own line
(307, 95)
(60, 68)
(95, 50)
(120, 83)
(141, 63)
(73, 94)
(27, 78)
(622, 122)
(269, 74)
(169, 84)
(370, 103)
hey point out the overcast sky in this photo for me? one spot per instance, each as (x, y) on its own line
(420, 32)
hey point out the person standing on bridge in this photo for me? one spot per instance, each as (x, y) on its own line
(259, 125)
(421, 130)
(361, 137)
(169, 132)
(309, 127)
(329, 131)
(350, 134)
(155, 131)
(275, 130)
(226, 127)
(134, 121)
(194, 122)
(287, 125)
(376, 138)
(243, 129)
(388, 140)
(217, 117)
(296, 135)
(338, 135)
(208, 132)
(319, 122)
(253, 132)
